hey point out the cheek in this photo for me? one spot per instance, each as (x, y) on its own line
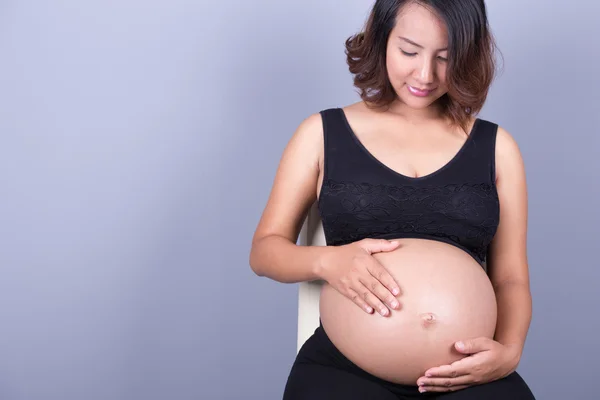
(397, 69)
(442, 75)
(390, 64)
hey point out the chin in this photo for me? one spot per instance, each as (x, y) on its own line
(418, 103)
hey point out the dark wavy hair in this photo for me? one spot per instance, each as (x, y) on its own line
(471, 56)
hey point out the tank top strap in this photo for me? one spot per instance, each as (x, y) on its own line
(341, 157)
(483, 148)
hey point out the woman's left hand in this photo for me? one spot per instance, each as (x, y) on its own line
(488, 360)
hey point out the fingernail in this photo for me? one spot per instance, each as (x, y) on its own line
(394, 304)
(460, 345)
(383, 311)
(395, 291)
(369, 310)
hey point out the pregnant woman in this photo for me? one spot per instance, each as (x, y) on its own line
(424, 209)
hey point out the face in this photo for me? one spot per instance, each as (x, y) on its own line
(417, 57)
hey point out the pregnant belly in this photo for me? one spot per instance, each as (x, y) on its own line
(446, 296)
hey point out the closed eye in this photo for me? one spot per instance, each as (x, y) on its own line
(414, 54)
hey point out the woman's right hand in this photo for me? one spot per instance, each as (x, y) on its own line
(355, 273)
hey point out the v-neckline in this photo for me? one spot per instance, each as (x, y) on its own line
(401, 175)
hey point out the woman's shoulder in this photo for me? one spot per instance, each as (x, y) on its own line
(507, 147)
(505, 141)
(508, 155)
(312, 125)
(307, 137)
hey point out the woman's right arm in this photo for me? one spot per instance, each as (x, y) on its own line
(350, 268)
(274, 253)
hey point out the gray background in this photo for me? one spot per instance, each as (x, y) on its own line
(139, 144)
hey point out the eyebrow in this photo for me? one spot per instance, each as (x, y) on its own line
(416, 44)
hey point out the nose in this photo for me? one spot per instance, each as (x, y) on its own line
(426, 73)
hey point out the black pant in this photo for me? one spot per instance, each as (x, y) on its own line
(322, 372)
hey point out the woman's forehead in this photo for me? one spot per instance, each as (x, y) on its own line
(420, 25)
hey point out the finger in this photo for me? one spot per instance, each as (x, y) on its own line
(450, 371)
(352, 294)
(456, 369)
(475, 345)
(371, 299)
(432, 389)
(380, 291)
(383, 276)
(446, 382)
(378, 245)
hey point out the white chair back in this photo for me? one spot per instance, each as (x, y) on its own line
(308, 295)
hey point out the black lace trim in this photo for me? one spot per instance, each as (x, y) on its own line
(466, 214)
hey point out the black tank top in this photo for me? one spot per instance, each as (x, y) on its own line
(363, 198)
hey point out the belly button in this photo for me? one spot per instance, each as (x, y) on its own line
(427, 319)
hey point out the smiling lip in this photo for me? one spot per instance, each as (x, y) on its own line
(419, 92)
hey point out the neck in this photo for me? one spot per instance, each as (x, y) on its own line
(432, 113)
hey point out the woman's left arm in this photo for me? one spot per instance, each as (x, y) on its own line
(507, 263)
